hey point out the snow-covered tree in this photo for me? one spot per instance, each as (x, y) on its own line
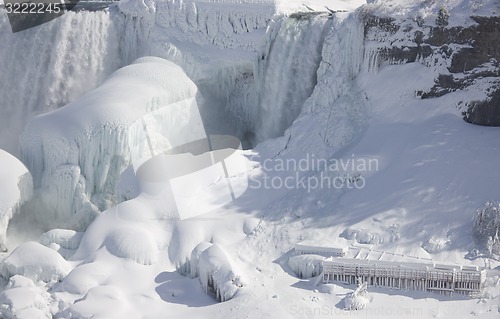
(486, 228)
(358, 299)
(443, 17)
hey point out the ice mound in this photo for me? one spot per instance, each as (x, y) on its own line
(15, 189)
(306, 266)
(21, 299)
(217, 273)
(35, 261)
(77, 153)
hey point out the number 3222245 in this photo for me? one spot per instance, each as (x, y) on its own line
(32, 8)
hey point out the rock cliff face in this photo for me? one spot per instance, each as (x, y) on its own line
(463, 56)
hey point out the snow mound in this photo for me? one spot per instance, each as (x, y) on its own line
(36, 262)
(21, 299)
(77, 153)
(15, 189)
(217, 273)
(306, 266)
(87, 276)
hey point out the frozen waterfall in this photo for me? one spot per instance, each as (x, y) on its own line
(48, 66)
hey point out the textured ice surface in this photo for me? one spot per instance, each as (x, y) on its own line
(16, 187)
(306, 266)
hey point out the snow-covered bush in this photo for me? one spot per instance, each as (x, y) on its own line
(306, 266)
(486, 229)
(358, 299)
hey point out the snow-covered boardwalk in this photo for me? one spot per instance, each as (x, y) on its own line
(442, 278)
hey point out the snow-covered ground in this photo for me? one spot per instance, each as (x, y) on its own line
(340, 153)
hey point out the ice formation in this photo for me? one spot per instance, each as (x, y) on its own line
(306, 266)
(78, 152)
(358, 299)
(286, 70)
(218, 274)
(16, 187)
(335, 106)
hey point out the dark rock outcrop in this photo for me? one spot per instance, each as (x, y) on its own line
(463, 54)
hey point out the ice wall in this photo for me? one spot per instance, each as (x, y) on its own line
(48, 66)
(286, 70)
(77, 153)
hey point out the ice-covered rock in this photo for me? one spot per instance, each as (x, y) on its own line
(16, 187)
(306, 266)
(78, 152)
(64, 241)
(217, 273)
(35, 261)
(21, 299)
